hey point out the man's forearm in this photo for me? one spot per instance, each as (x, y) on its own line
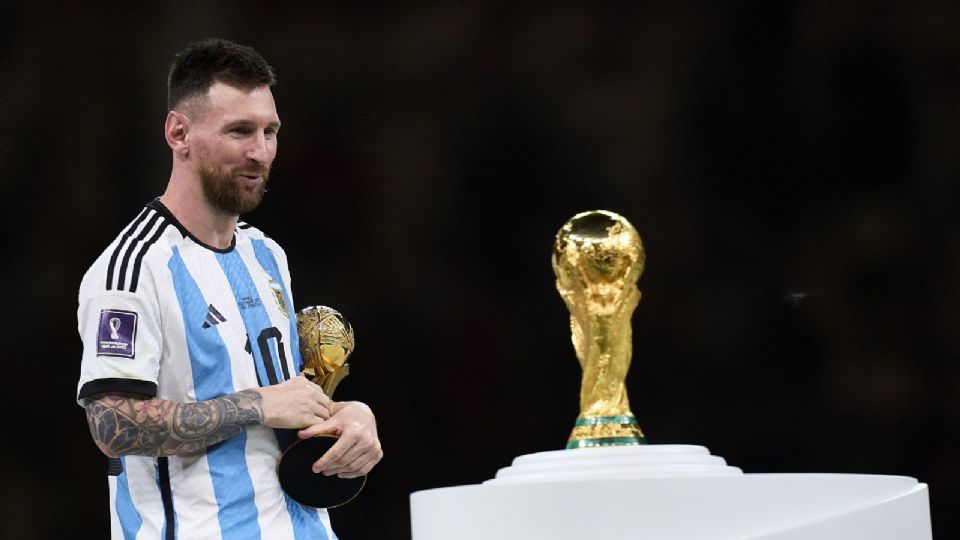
(126, 425)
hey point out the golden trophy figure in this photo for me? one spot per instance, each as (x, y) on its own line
(326, 342)
(618, 487)
(598, 258)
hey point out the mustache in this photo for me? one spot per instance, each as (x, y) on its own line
(258, 171)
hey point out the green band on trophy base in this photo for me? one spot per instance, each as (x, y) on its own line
(618, 430)
(607, 441)
(594, 420)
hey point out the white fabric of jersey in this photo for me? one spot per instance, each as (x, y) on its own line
(161, 314)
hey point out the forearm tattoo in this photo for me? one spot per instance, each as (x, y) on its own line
(126, 425)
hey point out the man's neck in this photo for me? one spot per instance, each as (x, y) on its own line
(192, 210)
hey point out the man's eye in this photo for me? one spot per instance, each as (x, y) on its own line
(240, 130)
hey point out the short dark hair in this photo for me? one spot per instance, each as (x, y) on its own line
(197, 67)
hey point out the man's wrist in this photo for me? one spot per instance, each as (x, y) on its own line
(252, 400)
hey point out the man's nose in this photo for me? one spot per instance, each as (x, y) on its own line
(258, 150)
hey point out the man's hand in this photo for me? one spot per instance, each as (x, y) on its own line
(357, 450)
(294, 404)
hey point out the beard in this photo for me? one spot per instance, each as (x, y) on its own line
(225, 193)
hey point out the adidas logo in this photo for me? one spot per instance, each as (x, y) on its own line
(213, 317)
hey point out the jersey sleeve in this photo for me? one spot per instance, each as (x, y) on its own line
(121, 336)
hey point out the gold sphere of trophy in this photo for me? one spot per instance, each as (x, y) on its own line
(598, 257)
(326, 342)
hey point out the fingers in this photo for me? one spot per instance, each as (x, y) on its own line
(360, 466)
(334, 457)
(296, 403)
(358, 449)
(321, 411)
(351, 456)
(326, 426)
(316, 392)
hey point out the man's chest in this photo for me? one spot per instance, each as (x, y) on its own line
(227, 318)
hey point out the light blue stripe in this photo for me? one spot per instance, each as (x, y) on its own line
(269, 263)
(130, 520)
(255, 317)
(306, 521)
(210, 365)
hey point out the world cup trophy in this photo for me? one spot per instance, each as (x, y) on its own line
(326, 342)
(598, 257)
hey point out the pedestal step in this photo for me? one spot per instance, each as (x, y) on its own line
(653, 461)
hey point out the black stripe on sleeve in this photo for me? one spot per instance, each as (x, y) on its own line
(121, 386)
(121, 278)
(143, 251)
(166, 495)
(123, 240)
(114, 467)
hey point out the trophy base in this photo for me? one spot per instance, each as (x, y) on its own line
(309, 488)
(593, 431)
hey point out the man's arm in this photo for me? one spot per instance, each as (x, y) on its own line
(137, 425)
(131, 425)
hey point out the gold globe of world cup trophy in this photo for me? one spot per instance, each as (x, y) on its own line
(326, 342)
(598, 257)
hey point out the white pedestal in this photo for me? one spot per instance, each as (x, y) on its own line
(668, 492)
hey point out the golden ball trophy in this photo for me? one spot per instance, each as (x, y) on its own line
(326, 342)
(598, 258)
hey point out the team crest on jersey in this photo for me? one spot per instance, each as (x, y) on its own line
(278, 296)
(117, 333)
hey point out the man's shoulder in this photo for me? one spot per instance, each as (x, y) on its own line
(255, 234)
(121, 264)
(267, 251)
(248, 229)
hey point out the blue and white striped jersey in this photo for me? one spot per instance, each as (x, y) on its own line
(162, 314)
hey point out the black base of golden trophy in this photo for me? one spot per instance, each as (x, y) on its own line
(309, 488)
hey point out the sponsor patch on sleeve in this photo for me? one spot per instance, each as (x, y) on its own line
(117, 334)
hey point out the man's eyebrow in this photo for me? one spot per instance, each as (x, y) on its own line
(246, 122)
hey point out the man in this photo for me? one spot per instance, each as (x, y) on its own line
(191, 354)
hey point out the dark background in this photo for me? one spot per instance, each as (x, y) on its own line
(792, 168)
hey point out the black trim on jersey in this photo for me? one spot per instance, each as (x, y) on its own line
(114, 466)
(121, 279)
(244, 226)
(123, 386)
(166, 495)
(143, 251)
(123, 239)
(159, 207)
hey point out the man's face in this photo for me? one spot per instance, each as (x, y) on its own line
(235, 142)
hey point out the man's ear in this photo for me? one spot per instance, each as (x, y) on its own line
(176, 129)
